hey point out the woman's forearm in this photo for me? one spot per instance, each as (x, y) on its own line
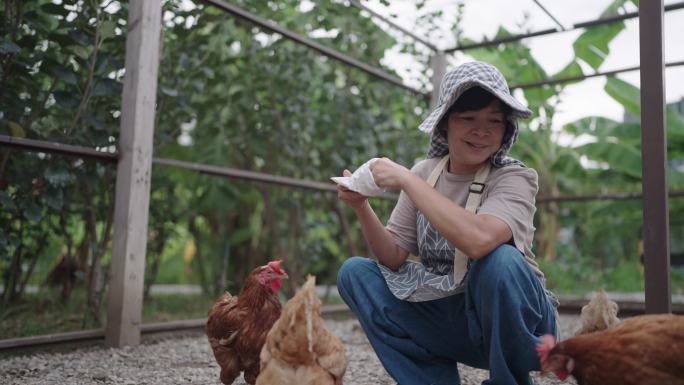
(380, 240)
(475, 235)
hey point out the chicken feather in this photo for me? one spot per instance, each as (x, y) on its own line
(236, 326)
(299, 349)
(642, 350)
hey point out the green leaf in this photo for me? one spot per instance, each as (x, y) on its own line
(57, 177)
(16, 129)
(82, 52)
(592, 45)
(621, 158)
(55, 9)
(32, 212)
(7, 202)
(79, 36)
(169, 91)
(624, 93)
(67, 100)
(55, 199)
(65, 74)
(7, 47)
(573, 69)
(603, 128)
(107, 87)
(107, 29)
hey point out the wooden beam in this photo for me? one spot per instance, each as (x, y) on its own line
(656, 226)
(133, 174)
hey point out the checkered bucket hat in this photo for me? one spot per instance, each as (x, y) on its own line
(454, 84)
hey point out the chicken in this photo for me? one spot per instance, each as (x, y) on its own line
(599, 314)
(299, 349)
(237, 326)
(643, 350)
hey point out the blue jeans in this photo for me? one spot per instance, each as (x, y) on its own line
(493, 325)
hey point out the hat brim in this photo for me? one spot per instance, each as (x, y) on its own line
(518, 110)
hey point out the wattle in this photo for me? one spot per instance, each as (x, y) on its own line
(275, 285)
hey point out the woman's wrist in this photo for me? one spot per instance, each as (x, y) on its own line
(362, 207)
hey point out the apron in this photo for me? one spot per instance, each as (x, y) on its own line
(430, 279)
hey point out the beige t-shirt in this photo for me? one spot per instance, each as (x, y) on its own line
(509, 195)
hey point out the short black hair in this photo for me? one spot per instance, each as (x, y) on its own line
(476, 98)
(473, 99)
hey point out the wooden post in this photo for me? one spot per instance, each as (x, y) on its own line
(654, 158)
(133, 174)
(439, 65)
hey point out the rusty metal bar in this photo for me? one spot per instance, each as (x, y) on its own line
(329, 52)
(507, 39)
(145, 329)
(84, 152)
(549, 14)
(586, 24)
(624, 16)
(568, 304)
(598, 197)
(654, 159)
(57, 148)
(415, 37)
(587, 76)
(246, 175)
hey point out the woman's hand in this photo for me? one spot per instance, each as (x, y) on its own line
(388, 174)
(353, 199)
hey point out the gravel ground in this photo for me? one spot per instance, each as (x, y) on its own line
(188, 360)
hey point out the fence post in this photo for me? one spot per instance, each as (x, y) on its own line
(124, 311)
(654, 158)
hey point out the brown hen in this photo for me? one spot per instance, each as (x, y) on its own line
(237, 326)
(299, 349)
(643, 350)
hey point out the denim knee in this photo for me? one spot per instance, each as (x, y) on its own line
(499, 264)
(350, 270)
(500, 259)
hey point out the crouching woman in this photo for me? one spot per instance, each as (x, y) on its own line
(478, 296)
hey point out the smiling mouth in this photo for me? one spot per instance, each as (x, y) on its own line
(476, 146)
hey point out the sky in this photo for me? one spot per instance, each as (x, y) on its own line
(481, 18)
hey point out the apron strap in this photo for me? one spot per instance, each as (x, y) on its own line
(474, 199)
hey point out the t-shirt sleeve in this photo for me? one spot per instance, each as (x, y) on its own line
(511, 198)
(402, 224)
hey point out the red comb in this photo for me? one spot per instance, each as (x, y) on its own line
(546, 343)
(275, 265)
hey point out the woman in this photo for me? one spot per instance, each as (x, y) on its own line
(478, 296)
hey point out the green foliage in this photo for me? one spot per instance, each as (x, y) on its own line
(230, 95)
(233, 95)
(44, 313)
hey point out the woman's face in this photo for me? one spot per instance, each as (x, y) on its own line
(474, 136)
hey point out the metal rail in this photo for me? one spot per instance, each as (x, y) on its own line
(549, 14)
(228, 172)
(145, 329)
(329, 52)
(568, 305)
(358, 4)
(57, 148)
(234, 173)
(598, 197)
(576, 26)
(587, 76)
